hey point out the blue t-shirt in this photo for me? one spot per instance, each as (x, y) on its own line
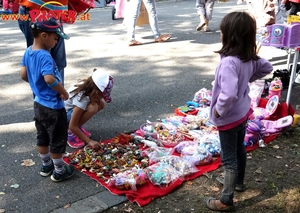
(39, 63)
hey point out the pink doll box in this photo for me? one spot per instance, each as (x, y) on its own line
(276, 126)
(265, 113)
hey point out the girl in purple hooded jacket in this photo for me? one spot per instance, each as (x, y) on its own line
(230, 106)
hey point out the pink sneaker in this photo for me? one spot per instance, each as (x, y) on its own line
(88, 134)
(74, 141)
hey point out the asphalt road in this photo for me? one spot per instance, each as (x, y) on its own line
(151, 80)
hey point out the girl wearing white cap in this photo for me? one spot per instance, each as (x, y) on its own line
(86, 98)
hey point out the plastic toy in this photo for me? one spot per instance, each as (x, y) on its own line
(256, 90)
(149, 143)
(265, 113)
(162, 174)
(185, 110)
(281, 35)
(275, 87)
(254, 133)
(151, 128)
(296, 120)
(276, 126)
(203, 97)
(192, 103)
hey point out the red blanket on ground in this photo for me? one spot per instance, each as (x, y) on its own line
(147, 192)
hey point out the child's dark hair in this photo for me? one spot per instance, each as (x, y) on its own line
(239, 36)
(87, 86)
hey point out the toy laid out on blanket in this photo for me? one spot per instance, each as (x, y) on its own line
(255, 131)
(265, 113)
(151, 128)
(182, 166)
(166, 170)
(155, 153)
(186, 122)
(191, 122)
(169, 139)
(164, 132)
(147, 140)
(211, 142)
(129, 179)
(192, 152)
(186, 110)
(278, 125)
(201, 99)
(162, 174)
(110, 159)
(149, 143)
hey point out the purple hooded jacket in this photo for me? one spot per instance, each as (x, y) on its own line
(230, 91)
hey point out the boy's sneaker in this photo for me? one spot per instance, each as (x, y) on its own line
(68, 172)
(47, 170)
(74, 141)
(88, 134)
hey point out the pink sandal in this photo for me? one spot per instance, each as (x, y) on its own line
(163, 38)
(134, 43)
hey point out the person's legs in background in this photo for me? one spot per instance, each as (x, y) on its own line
(130, 21)
(153, 20)
(58, 53)
(24, 25)
(209, 5)
(200, 6)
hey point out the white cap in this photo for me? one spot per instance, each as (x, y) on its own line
(104, 82)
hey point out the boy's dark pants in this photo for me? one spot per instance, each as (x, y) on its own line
(52, 128)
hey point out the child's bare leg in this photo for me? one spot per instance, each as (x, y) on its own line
(206, 28)
(201, 23)
(43, 149)
(90, 111)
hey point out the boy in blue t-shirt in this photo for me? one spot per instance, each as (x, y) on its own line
(40, 71)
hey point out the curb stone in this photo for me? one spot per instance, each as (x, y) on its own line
(93, 204)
